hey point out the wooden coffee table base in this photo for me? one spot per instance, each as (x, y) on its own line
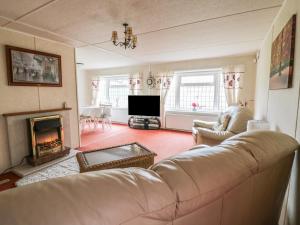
(130, 155)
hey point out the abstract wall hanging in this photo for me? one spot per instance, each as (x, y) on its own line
(282, 61)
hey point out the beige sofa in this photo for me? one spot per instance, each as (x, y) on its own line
(203, 132)
(240, 182)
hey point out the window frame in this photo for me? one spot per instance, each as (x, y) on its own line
(215, 72)
(108, 79)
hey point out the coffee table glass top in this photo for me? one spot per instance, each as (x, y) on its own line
(116, 153)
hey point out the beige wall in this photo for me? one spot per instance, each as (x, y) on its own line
(84, 91)
(280, 107)
(248, 61)
(14, 99)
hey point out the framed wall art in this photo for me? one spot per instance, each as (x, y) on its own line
(282, 61)
(27, 67)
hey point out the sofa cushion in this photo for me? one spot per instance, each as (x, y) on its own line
(189, 175)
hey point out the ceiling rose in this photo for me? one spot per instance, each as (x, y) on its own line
(130, 40)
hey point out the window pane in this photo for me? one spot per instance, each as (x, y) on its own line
(202, 96)
(119, 82)
(118, 91)
(118, 96)
(197, 79)
(113, 90)
(204, 88)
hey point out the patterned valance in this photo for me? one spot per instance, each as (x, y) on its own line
(233, 83)
(233, 80)
(159, 81)
(135, 81)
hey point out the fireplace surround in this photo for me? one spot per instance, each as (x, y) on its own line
(46, 139)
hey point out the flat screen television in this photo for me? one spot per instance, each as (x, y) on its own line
(144, 105)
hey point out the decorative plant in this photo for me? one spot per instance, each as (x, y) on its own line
(195, 105)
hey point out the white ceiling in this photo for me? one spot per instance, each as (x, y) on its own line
(168, 30)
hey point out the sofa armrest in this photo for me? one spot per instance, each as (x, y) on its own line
(216, 135)
(204, 124)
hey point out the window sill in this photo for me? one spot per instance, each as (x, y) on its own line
(119, 108)
(192, 113)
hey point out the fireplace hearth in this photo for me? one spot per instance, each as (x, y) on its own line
(46, 138)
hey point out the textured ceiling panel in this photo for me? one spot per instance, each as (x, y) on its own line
(93, 58)
(43, 34)
(92, 21)
(242, 48)
(3, 21)
(167, 29)
(225, 31)
(15, 8)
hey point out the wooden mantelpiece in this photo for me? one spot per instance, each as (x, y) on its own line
(35, 112)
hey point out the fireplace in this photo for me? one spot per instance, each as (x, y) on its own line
(46, 139)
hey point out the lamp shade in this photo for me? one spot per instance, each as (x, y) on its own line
(114, 36)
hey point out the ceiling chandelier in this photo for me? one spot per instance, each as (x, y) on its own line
(130, 40)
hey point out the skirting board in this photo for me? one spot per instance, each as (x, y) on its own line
(26, 169)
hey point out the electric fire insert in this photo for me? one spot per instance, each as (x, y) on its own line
(46, 139)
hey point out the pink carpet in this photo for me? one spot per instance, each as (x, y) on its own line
(164, 143)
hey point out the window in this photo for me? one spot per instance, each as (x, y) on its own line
(201, 90)
(114, 90)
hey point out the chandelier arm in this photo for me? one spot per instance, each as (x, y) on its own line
(119, 44)
(129, 39)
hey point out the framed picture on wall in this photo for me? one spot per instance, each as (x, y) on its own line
(27, 67)
(282, 61)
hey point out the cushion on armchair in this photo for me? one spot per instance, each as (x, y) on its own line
(223, 122)
(239, 119)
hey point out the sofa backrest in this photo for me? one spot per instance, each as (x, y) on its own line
(107, 197)
(241, 181)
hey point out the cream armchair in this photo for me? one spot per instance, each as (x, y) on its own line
(206, 132)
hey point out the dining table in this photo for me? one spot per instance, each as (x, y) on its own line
(93, 115)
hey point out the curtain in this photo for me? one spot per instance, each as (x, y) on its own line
(135, 83)
(95, 85)
(162, 85)
(233, 83)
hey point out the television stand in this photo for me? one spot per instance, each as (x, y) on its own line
(144, 123)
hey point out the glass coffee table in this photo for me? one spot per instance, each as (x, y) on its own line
(129, 155)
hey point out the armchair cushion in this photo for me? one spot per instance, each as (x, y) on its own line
(239, 119)
(223, 122)
(204, 124)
